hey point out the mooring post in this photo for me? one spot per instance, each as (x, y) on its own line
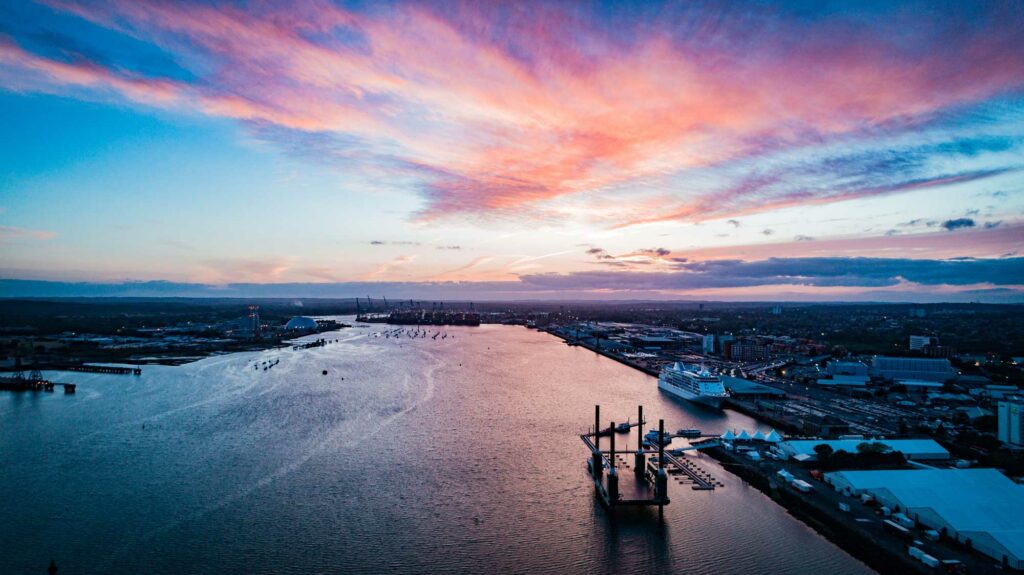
(661, 444)
(596, 460)
(639, 461)
(612, 456)
(640, 427)
(613, 475)
(661, 481)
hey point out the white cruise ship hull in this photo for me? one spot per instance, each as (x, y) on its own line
(712, 401)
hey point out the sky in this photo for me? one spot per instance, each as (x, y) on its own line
(532, 150)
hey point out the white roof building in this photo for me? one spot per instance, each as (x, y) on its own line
(981, 506)
(301, 323)
(919, 449)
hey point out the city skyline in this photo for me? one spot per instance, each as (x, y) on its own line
(797, 151)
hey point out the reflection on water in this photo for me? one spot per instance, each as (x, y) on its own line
(423, 456)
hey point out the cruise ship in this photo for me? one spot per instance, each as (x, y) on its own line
(697, 385)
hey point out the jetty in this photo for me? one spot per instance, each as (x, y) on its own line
(34, 382)
(104, 369)
(310, 344)
(647, 485)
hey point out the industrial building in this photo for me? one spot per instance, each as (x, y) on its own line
(919, 385)
(1010, 413)
(745, 350)
(709, 344)
(919, 342)
(912, 368)
(980, 508)
(655, 342)
(845, 381)
(847, 368)
(916, 449)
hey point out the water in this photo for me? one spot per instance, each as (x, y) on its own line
(458, 455)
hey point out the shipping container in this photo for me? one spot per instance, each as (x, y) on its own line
(903, 520)
(802, 486)
(896, 528)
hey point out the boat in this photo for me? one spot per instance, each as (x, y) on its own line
(625, 427)
(652, 437)
(688, 433)
(694, 384)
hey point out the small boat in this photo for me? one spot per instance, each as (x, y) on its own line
(325, 372)
(652, 437)
(625, 427)
(689, 433)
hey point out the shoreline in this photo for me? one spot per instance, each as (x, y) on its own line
(170, 357)
(882, 558)
(609, 355)
(865, 549)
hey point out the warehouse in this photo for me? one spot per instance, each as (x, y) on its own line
(980, 508)
(846, 381)
(917, 449)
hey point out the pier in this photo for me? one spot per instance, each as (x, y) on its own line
(104, 369)
(311, 344)
(648, 484)
(34, 382)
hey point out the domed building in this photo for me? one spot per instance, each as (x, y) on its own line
(300, 323)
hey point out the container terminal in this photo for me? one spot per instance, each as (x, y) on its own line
(415, 313)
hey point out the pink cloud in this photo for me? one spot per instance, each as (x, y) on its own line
(502, 110)
(10, 233)
(977, 242)
(223, 271)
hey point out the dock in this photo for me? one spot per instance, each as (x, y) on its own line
(647, 485)
(104, 369)
(310, 344)
(34, 382)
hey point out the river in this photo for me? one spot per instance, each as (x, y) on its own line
(453, 455)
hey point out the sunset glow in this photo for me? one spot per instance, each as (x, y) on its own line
(530, 150)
